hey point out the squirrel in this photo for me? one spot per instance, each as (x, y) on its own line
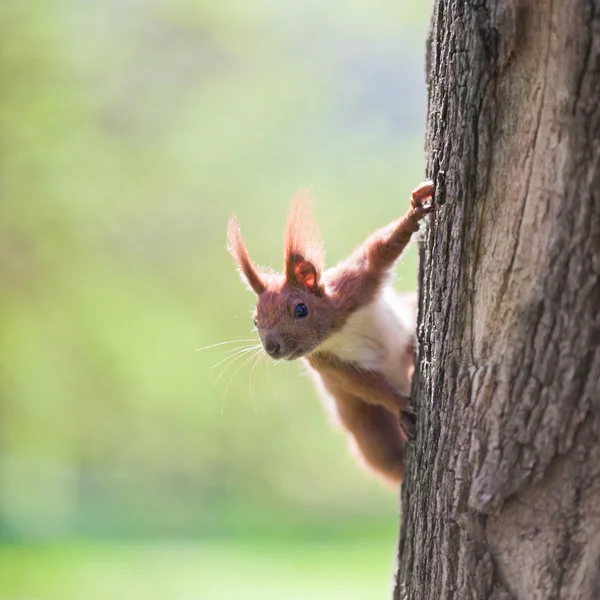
(351, 328)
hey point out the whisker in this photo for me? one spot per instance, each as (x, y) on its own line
(258, 361)
(235, 352)
(227, 342)
(233, 358)
(235, 373)
(241, 347)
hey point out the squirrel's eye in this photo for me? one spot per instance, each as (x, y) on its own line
(300, 311)
(255, 322)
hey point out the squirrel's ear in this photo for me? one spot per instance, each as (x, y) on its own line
(303, 273)
(303, 253)
(237, 249)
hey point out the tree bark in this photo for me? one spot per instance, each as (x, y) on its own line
(502, 491)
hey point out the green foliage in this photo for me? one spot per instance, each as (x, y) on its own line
(129, 133)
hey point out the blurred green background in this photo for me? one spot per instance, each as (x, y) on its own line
(131, 466)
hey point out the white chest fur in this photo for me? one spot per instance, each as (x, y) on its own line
(377, 337)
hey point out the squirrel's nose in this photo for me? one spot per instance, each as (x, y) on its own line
(273, 348)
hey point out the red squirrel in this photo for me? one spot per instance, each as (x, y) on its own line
(355, 333)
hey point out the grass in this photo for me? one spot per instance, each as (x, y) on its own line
(349, 570)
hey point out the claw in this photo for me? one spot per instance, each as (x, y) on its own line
(408, 423)
(422, 192)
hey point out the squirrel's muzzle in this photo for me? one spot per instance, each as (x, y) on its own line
(272, 347)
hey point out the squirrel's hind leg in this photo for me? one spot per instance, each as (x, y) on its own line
(376, 434)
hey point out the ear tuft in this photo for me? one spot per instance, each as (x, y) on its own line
(237, 249)
(303, 252)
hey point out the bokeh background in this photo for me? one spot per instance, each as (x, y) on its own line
(132, 466)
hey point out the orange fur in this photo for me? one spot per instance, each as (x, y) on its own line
(303, 253)
(345, 323)
(237, 249)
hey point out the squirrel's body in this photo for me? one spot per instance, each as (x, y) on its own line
(374, 347)
(352, 329)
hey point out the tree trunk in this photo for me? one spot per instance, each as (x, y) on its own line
(502, 491)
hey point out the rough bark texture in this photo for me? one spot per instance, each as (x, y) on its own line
(502, 492)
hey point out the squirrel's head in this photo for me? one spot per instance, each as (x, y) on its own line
(294, 313)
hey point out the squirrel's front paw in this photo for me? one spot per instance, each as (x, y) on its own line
(423, 192)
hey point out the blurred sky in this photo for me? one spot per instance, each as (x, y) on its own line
(130, 130)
